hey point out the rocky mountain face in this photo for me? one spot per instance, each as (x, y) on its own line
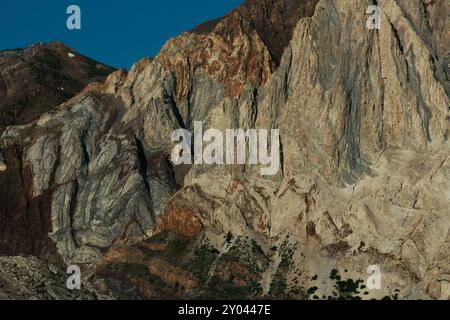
(34, 81)
(364, 119)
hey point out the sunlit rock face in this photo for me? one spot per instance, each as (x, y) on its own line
(364, 121)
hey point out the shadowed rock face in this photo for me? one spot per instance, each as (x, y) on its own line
(25, 220)
(365, 179)
(37, 79)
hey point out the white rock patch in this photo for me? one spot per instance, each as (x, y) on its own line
(2, 164)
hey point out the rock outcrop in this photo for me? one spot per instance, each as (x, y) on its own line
(364, 121)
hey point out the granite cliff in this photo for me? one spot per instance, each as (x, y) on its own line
(364, 119)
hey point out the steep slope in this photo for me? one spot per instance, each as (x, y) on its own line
(35, 80)
(364, 180)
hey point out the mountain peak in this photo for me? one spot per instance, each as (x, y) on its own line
(36, 79)
(244, 46)
(273, 20)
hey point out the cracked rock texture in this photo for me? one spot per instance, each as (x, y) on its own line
(364, 119)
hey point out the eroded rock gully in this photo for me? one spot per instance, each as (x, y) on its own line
(364, 121)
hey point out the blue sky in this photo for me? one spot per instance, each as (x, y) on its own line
(115, 32)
